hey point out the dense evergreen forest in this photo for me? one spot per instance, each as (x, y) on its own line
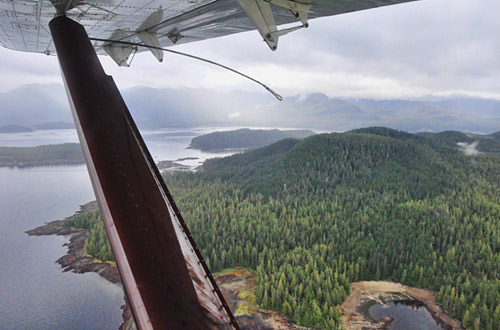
(312, 216)
(244, 138)
(485, 143)
(56, 154)
(97, 243)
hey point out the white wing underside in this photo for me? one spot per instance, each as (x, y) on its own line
(163, 23)
(24, 23)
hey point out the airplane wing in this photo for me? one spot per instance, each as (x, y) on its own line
(165, 277)
(24, 23)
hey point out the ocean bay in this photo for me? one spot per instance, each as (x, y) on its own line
(35, 292)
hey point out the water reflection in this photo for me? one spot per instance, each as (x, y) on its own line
(407, 315)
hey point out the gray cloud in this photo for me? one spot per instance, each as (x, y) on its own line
(431, 47)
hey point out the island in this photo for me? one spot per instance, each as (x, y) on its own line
(14, 129)
(44, 155)
(244, 138)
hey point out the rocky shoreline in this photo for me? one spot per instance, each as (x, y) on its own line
(238, 287)
(77, 261)
(231, 283)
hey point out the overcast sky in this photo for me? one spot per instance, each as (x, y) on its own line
(423, 48)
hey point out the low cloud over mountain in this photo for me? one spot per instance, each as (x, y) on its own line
(32, 105)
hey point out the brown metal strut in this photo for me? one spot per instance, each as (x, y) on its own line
(165, 278)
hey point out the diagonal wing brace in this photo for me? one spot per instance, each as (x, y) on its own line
(167, 282)
(261, 15)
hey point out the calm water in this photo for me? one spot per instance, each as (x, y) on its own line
(407, 316)
(163, 144)
(34, 292)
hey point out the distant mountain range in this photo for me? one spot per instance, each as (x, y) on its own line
(33, 105)
(14, 129)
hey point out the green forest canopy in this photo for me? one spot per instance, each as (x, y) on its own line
(312, 216)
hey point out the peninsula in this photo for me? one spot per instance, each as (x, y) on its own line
(84, 254)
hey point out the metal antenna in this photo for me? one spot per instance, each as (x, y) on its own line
(276, 95)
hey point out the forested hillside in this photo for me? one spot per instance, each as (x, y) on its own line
(488, 143)
(311, 216)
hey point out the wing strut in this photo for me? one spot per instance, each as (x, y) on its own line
(164, 275)
(261, 14)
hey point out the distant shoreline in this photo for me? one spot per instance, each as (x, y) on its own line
(62, 155)
(39, 164)
(219, 150)
(42, 155)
